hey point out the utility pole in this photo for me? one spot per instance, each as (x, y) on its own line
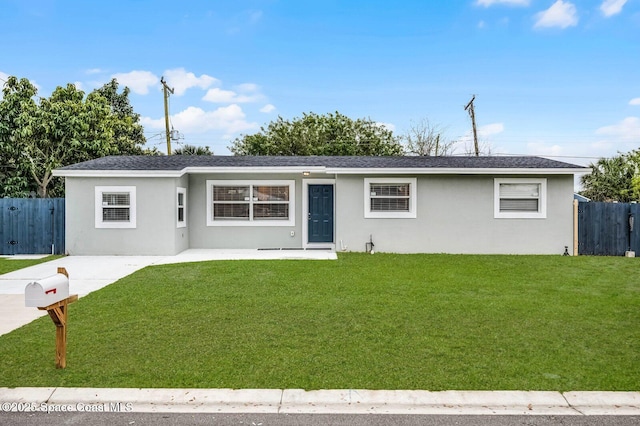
(472, 113)
(166, 89)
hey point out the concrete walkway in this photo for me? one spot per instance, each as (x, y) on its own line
(290, 401)
(91, 273)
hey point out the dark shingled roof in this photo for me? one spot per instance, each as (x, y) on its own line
(179, 162)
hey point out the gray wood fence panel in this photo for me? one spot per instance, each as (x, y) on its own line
(32, 225)
(603, 228)
(634, 210)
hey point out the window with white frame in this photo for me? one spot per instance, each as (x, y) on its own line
(250, 203)
(390, 197)
(181, 205)
(524, 198)
(115, 206)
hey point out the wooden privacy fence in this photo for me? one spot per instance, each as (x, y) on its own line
(608, 229)
(31, 226)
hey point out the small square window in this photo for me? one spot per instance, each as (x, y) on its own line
(390, 198)
(115, 206)
(520, 198)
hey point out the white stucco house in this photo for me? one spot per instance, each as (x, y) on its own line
(163, 205)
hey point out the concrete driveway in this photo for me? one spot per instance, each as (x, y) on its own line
(91, 273)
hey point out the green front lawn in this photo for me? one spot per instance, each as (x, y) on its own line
(378, 321)
(9, 265)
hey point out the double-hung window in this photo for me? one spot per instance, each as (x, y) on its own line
(115, 206)
(520, 198)
(181, 206)
(250, 203)
(390, 197)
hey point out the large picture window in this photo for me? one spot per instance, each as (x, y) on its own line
(115, 206)
(520, 198)
(390, 197)
(250, 203)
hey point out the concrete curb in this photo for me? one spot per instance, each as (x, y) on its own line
(319, 401)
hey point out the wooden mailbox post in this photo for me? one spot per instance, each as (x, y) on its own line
(54, 290)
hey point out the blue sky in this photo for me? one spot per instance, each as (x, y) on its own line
(551, 77)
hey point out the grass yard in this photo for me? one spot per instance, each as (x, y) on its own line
(10, 265)
(378, 322)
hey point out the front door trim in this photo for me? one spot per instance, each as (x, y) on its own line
(305, 213)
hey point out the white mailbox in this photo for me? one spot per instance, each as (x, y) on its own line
(46, 291)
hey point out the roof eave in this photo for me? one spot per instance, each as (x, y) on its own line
(320, 169)
(117, 173)
(459, 171)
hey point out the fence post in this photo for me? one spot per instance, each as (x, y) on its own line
(575, 227)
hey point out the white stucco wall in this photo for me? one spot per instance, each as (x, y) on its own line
(455, 214)
(156, 231)
(216, 237)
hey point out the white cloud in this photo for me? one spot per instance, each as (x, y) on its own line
(78, 85)
(138, 81)
(247, 88)
(487, 3)
(539, 148)
(93, 71)
(611, 7)
(220, 96)
(181, 80)
(561, 14)
(490, 129)
(634, 101)
(267, 108)
(228, 119)
(627, 130)
(388, 126)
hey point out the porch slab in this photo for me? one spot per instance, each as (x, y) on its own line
(200, 255)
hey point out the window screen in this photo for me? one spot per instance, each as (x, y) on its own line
(519, 197)
(115, 207)
(389, 197)
(251, 202)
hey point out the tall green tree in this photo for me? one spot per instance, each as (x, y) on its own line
(313, 134)
(16, 105)
(128, 133)
(67, 128)
(614, 179)
(38, 135)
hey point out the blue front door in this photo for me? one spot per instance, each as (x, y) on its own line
(320, 214)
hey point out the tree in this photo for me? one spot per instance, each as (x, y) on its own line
(128, 133)
(613, 179)
(313, 134)
(427, 140)
(38, 135)
(193, 150)
(16, 104)
(66, 129)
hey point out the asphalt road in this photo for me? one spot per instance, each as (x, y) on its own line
(138, 419)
